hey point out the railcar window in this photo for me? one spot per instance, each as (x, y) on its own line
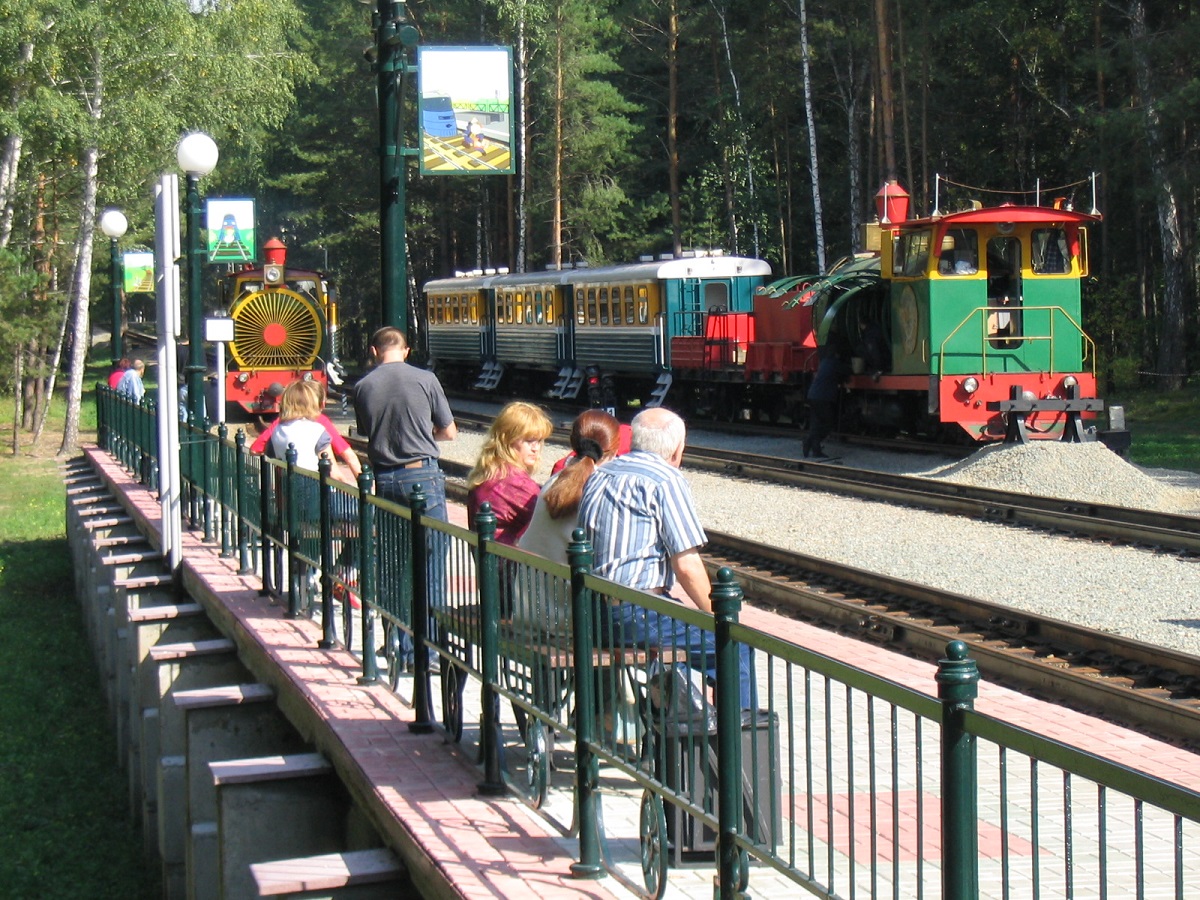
(643, 305)
(914, 253)
(591, 306)
(580, 312)
(457, 311)
(1004, 319)
(629, 306)
(960, 252)
(506, 315)
(539, 312)
(473, 308)
(603, 302)
(1049, 251)
(438, 312)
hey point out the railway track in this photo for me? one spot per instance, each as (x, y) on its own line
(1161, 531)
(1143, 686)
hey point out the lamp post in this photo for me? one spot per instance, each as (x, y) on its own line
(114, 224)
(393, 35)
(197, 157)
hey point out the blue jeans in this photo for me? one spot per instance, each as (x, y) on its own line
(397, 485)
(630, 625)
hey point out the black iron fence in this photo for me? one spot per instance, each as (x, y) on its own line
(692, 736)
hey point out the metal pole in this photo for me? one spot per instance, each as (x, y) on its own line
(117, 275)
(587, 767)
(196, 364)
(958, 685)
(731, 865)
(391, 168)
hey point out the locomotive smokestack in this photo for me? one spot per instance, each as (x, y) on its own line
(891, 203)
(275, 252)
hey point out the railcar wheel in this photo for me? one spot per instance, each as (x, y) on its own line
(537, 768)
(452, 688)
(652, 835)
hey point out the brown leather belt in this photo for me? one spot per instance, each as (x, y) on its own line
(415, 464)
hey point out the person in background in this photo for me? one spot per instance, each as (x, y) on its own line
(503, 474)
(639, 514)
(131, 384)
(338, 445)
(403, 413)
(823, 395)
(114, 377)
(595, 439)
(624, 438)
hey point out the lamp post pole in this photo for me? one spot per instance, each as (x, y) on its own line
(392, 37)
(114, 224)
(197, 157)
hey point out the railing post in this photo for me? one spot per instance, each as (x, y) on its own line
(367, 560)
(189, 442)
(292, 533)
(266, 496)
(239, 501)
(206, 480)
(487, 571)
(328, 637)
(223, 499)
(587, 767)
(732, 866)
(958, 685)
(422, 708)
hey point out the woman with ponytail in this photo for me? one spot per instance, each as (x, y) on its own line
(595, 438)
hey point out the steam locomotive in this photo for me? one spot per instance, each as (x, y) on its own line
(284, 330)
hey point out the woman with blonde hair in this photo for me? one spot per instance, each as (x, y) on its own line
(503, 474)
(595, 439)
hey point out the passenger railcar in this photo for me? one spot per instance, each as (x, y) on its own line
(284, 330)
(608, 329)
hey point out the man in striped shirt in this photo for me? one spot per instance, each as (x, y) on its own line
(645, 533)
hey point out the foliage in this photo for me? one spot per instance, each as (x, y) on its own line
(24, 318)
(64, 801)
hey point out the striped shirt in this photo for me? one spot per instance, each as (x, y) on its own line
(638, 513)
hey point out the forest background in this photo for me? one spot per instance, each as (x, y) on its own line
(644, 126)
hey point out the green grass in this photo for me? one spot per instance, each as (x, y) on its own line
(68, 831)
(1165, 427)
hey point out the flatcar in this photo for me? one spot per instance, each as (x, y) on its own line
(963, 326)
(607, 329)
(284, 330)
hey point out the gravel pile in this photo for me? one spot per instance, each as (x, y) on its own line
(1137, 593)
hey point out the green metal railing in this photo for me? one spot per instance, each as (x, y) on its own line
(827, 778)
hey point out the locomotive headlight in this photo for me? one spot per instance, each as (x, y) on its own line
(308, 376)
(1070, 381)
(1028, 395)
(970, 385)
(243, 377)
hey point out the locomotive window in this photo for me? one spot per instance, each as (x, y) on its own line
(1050, 251)
(959, 253)
(914, 253)
(643, 306)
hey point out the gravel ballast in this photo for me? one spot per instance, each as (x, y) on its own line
(1149, 596)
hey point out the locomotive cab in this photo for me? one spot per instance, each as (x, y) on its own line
(986, 306)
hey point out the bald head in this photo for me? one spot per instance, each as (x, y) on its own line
(661, 432)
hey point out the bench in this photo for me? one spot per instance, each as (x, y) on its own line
(541, 670)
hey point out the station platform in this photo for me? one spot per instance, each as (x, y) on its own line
(421, 790)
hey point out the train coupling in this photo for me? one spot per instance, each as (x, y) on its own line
(1019, 405)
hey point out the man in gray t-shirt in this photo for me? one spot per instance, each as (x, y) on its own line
(403, 413)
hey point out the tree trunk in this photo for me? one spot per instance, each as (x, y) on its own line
(673, 127)
(556, 227)
(522, 145)
(10, 159)
(886, 110)
(811, 123)
(1172, 362)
